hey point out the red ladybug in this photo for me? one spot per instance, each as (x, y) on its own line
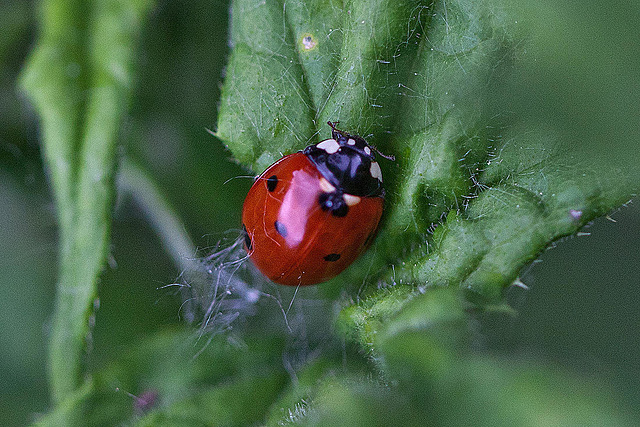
(312, 213)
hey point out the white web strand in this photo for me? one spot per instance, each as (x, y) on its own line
(216, 291)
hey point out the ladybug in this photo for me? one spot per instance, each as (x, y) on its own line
(312, 213)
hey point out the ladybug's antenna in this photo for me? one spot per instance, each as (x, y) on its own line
(335, 131)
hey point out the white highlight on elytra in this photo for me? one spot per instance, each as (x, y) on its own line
(351, 141)
(367, 150)
(351, 200)
(326, 186)
(296, 207)
(375, 170)
(329, 145)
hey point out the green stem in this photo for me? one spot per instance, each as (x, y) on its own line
(79, 77)
(82, 264)
(154, 206)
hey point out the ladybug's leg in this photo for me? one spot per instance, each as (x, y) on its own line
(334, 203)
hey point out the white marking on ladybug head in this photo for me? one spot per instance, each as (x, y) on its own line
(351, 141)
(326, 186)
(329, 145)
(367, 150)
(375, 170)
(350, 199)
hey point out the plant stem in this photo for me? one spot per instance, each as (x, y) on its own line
(79, 77)
(135, 181)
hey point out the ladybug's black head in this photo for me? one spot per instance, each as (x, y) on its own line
(348, 163)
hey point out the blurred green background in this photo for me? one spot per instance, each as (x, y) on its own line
(581, 311)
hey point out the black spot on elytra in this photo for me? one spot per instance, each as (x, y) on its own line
(280, 228)
(272, 183)
(333, 202)
(247, 239)
(332, 257)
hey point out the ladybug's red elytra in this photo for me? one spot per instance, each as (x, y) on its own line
(312, 213)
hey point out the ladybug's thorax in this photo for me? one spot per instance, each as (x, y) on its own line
(348, 163)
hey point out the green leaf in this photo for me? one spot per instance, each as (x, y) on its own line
(67, 409)
(79, 78)
(213, 380)
(390, 311)
(430, 378)
(241, 402)
(473, 391)
(292, 404)
(421, 349)
(419, 80)
(493, 166)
